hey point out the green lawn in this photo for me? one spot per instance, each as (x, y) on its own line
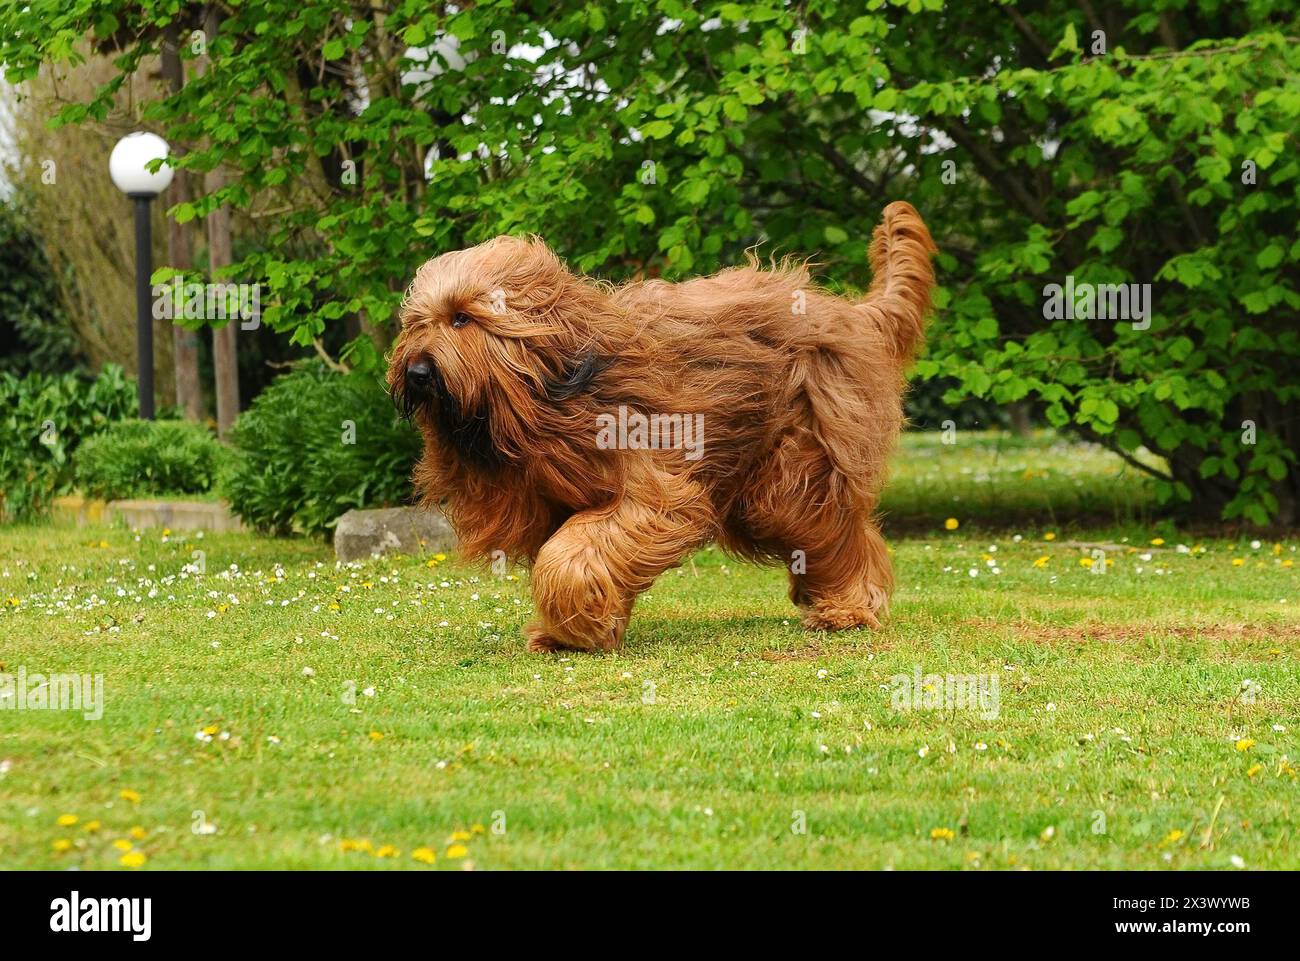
(1147, 716)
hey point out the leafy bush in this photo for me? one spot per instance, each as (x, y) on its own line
(139, 458)
(314, 445)
(43, 420)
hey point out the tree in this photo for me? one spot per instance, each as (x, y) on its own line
(189, 388)
(1047, 144)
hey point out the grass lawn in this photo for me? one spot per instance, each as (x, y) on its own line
(315, 716)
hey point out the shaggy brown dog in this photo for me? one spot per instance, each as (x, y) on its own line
(521, 374)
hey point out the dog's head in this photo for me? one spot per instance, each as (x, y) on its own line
(497, 343)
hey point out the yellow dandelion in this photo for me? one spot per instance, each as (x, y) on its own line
(122, 844)
(134, 859)
(457, 851)
(138, 833)
(103, 543)
(424, 855)
(942, 834)
(1238, 561)
(167, 532)
(376, 735)
(459, 836)
(1049, 536)
(1254, 769)
(1042, 561)
(951, 524)
(127, 794)
(66, 820)
(1172, 837)
(1157, 541)
(91, 826)
(439, 557)
(211, 729)
(1288, 563)
(1245, 744)
(334, 606)
(477, 829)
(387, 851)
(1085, 562)
(61, 845)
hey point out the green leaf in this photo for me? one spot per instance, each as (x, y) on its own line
(1270, 256)
(1069, 42)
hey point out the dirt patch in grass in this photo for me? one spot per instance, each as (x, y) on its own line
(1121, 633)
(807, 652)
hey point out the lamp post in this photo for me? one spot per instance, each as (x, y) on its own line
(126, 165)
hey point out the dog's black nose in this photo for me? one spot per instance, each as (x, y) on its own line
(419, 375)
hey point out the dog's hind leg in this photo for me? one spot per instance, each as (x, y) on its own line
(848, 578)
(799, 511)
(588, 574)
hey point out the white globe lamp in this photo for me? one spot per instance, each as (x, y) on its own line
(126, 165)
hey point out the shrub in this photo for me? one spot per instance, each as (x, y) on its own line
(34, 332)
(43, 420)
(314, 445)
(138, 458)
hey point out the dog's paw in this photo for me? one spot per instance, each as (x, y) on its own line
(828, 617)
(541, 640)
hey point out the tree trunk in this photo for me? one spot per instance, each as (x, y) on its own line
(224, 342)
(185, 343)
(1019, 420)
(225, 347)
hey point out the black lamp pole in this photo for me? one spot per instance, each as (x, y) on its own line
(143, 311)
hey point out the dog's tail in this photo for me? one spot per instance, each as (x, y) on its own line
(902, 278)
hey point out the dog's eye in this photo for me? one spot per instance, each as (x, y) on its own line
(460, 320)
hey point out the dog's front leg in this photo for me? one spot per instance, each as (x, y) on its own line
(589, 573)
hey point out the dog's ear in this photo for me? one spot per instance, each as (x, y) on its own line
(577, 378)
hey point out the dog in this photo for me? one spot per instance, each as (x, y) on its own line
(519, 373)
